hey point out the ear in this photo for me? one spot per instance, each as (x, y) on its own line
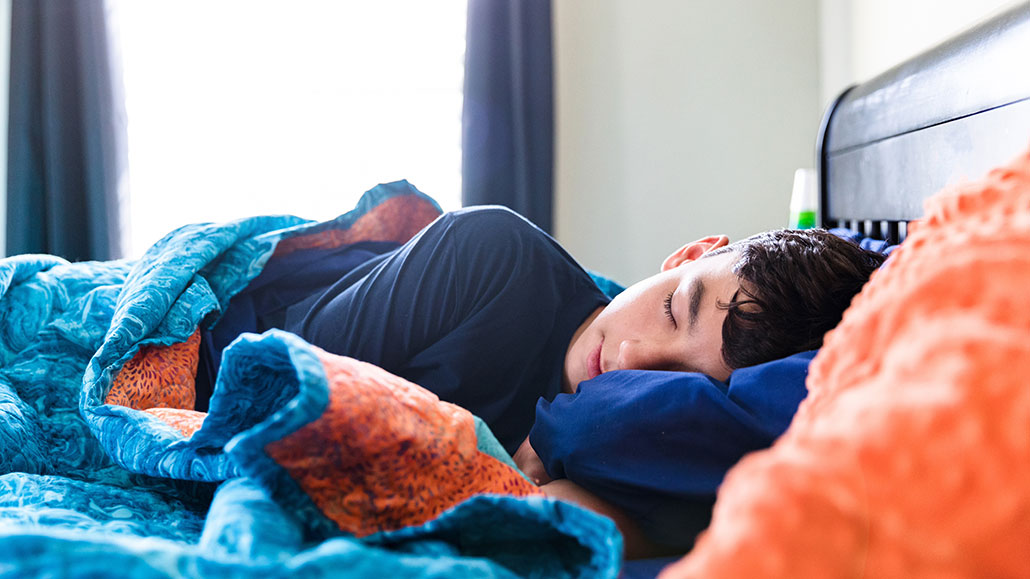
(694, 250)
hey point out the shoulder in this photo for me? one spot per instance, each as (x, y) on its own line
(493, 228)
(490, 218)
(504, 239)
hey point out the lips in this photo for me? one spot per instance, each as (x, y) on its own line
(594, 361)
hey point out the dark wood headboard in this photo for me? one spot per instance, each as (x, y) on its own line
(950, 113)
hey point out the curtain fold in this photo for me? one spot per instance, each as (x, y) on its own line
(66, 132)
(508, 112)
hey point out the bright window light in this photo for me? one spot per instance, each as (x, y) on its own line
(252, 107)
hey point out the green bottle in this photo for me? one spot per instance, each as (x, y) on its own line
(804, 200)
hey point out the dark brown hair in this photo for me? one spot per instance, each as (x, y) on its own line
(795, 286)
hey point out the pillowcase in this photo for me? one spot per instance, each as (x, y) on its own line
(701, 428)
(911, 455)
(657, 444)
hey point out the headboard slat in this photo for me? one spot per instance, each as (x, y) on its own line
(878, 159)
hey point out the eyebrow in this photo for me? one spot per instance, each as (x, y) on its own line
(696, 293)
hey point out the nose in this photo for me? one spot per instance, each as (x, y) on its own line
(640, 355)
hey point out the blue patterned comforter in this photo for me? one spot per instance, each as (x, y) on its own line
(91, 489)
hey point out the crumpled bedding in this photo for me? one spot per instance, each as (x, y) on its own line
(106, 469)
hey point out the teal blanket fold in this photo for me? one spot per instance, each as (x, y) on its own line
(107, 470)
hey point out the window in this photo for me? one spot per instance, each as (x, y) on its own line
(248, 107)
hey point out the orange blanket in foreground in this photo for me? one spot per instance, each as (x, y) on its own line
(911, 455)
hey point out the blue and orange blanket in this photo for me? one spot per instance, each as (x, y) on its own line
(305, 464)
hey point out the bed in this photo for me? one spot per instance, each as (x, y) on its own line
(107, 470)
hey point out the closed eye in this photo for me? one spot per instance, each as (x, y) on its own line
(668, 309)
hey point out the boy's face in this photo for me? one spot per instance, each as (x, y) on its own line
(669, 321)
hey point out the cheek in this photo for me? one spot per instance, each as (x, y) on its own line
(633, 302)
(619, 318)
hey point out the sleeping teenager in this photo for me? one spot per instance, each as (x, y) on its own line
(490, 313)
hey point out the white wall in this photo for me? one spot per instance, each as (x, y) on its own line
(862, 38)
(680, 118)
(677, 119)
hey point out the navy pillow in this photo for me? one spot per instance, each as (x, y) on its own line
(863, 241)
(658, 444)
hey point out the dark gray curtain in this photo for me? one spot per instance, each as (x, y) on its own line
(66, 140)
(508, 116)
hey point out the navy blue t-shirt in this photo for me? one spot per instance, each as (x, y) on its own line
(478, 308)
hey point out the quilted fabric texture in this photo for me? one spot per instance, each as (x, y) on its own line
(101, 477)
(387, 454)
(911, 455)
(158, 377)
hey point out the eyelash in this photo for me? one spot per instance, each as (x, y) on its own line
(668, 309)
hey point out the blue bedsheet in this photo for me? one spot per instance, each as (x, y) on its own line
(92, 489)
